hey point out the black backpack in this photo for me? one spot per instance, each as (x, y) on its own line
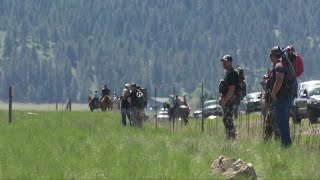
(242, 89)
(140, 99)
(145, 94)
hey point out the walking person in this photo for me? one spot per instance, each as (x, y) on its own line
(228, 88)
(125, 105)
(136, 101)
(281, 95)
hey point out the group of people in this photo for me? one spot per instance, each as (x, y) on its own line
(280, 85)
(134, 100)
(96, 97)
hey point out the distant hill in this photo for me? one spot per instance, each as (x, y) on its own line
(51, 50)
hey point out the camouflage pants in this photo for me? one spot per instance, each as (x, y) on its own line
(136, 116)
(270, 127)
(228, 111)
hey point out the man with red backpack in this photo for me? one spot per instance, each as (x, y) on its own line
(283, 87)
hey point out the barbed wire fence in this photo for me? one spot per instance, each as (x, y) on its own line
(249, 125)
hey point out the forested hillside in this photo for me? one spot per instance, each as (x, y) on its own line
(50, 50)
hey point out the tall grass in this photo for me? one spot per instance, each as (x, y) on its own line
(94, 145)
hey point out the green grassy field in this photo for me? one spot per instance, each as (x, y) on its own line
(94, 145)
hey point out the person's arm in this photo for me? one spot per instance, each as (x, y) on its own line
(229, 95)
(277, 85)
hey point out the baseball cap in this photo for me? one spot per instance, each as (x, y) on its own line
(127, 85)
(275, 50)
(226, 57)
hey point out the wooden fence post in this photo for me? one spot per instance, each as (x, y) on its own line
(202, 118)
(70, 104)
(155, 104)
(173, 119)
(68, 107)
(10, 104)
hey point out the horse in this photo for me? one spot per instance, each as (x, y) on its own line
(106, 103)
(92, 106)
(181, 111)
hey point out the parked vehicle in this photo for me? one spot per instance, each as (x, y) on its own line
(163, 115)
(307, 104)
(197, 114)
(306, 84)
(211, 107)
(252, 102)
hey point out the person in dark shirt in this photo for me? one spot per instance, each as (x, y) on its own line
(105, 91)
(281, 96)
(228, 97)
(136, 114)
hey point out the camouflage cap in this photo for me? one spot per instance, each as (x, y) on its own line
(226, 57)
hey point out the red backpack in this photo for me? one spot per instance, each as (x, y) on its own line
(297, 62)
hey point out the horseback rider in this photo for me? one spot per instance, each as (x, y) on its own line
(105, 91)
(176, 104)
(95, 100)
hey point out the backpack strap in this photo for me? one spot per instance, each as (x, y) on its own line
(287, 60)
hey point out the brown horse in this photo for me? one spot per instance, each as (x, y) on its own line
(106, 103)
(180, 112)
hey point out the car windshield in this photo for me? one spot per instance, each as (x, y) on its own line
(210, 103)
(314, 91)
(253, 96)
(306, 85)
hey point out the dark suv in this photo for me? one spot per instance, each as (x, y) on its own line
(307, 105)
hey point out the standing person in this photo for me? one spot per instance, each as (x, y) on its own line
(229, 95)
(125, 105)
(115, 101)
(176, 104)
(281, 95)
(136, 103)
(270, 127)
